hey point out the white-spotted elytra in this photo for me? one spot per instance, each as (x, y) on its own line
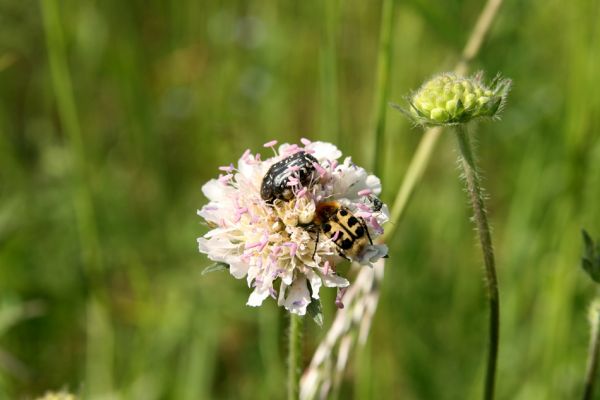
(276, 183)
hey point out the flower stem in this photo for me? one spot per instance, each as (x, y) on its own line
(413, 174)
(294, 356)
(471, 174)
(593, 355)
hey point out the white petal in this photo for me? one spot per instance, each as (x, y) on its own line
(216, 191)
(298, 297)
(238, 269)
(333, 280)
(258, 296)
(250, 174)
(372, 253)
(210, 213)
(253, 272)
(287, 276)
(324, 151)
(217, 248)
(281, 298)
(315, 283)
(374, 183)
(350, 180)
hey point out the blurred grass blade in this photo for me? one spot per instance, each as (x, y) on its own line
(384, 66)
(63, 90)
(590, 261)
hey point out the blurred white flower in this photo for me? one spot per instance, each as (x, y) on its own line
(57, 396)
(266, 241)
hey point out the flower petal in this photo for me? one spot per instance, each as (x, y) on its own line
(258, 296)
(333, 280)
(298, 296)
(216, 191)
(324, 151)
(315, 283)
(238, 269)
(372, 253)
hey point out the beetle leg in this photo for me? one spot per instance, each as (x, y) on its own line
(364, 224)
(316, 244)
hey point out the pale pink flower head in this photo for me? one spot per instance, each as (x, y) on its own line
(277, 245)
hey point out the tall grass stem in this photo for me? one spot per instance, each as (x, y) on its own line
(99, 340)
(384, 65)
(413, 173)
(67, 112)
(476, 198)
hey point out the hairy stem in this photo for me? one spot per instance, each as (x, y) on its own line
(294, 356)
(593, 355)
(475, 192)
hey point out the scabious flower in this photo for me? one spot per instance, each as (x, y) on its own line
(449, 99)
(274, 244)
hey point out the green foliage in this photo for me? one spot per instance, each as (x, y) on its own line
(101, 234)
(315, 311)
(218, 266)
(590, 261)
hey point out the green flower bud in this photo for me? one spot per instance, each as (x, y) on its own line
(439, 114)
(452, 105)
(482, 100)
(448, 99)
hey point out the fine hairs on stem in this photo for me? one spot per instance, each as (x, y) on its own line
(475, 193)
(294, 356)
(454, 101)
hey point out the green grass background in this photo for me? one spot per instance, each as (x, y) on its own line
(113, 114)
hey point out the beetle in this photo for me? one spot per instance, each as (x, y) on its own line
(348, 232)
(275, 183)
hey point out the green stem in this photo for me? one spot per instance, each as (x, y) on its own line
(294, 356)
(413, 174)
(475, 192)
(593, 354)
(384, 63)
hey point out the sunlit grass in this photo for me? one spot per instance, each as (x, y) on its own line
(164, 93)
